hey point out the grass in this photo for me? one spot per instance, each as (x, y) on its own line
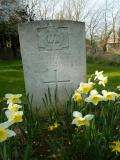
(12, 77)
(35, 142)
(110, 70)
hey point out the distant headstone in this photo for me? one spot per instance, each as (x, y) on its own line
(53, 54)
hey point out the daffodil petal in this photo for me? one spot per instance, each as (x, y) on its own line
(94, 92)
(10, 133)
(95, 103)
(77, 114)
(88, 99)
(89, 116)
(18, 95)
(104, 91)
(8, 95)
(5, 124)
(73, 122)
(20, 112)
(88, 124)
(8, 114)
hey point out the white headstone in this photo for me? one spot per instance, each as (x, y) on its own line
(53, 53)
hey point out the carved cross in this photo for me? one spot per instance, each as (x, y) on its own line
(56, 81)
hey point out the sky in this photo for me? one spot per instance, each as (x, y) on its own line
(91, 6)
(100, 3)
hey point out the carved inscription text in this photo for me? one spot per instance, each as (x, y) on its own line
(53, 38)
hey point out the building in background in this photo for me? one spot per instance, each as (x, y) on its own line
(113, 41)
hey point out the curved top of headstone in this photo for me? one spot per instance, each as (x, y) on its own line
(52, 21)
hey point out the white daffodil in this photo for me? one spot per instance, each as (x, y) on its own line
(80, 121)
(98, 75)
(94, 97)
(4, 132)
(109, 96)
(118, 87)
(14, 107)
(14, 117)
(85, 87)
(103, 81)
(77, 97)
(13, 98)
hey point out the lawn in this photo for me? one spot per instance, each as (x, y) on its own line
(12, 78)
(35, 140)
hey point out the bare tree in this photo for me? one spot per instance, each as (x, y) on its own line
(75, 9)
(93, 25)
(110, 14)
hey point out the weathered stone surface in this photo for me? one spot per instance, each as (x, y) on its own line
(53, 53)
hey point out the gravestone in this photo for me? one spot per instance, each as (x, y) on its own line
(53, 54)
